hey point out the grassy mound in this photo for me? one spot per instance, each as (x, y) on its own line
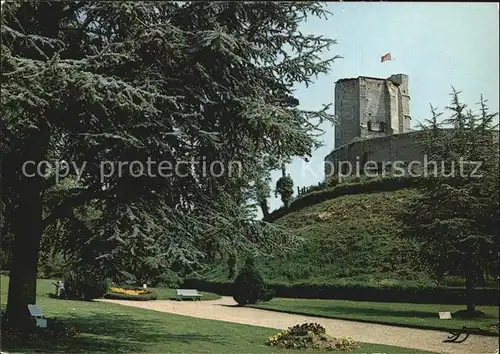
(350, 239)
(353, 250)
(310, 336)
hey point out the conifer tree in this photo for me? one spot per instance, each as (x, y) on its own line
(455, 220)
(284, 187)
(108, 82)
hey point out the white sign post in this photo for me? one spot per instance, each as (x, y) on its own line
(445, 316)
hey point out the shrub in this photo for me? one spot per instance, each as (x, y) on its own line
(83, 285)
(310, 336)
(249, 286)
(284, 187)
(52, 266)
(268, 295)
(168, 279)
(360, 292)
(231, 264)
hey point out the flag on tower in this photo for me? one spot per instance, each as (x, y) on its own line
(385, 57)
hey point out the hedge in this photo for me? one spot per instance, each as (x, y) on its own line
(371, 186)
(358, 292)
(143, 297)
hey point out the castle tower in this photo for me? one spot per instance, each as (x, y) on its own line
(370, 107)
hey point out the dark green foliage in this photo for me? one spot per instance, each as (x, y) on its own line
(143, 297)
(249, 286)
(455, 219)
(168, 279)
(52, 266)
(362, 292)
(468, 314)
(284, 187)
(98, 82)
(268, 294)
(263, 192)
(83, 285)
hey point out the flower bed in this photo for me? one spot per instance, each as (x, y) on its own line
(130, 293)
(310, 336)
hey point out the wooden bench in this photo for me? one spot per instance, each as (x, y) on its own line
(188, 294)
(36, 313)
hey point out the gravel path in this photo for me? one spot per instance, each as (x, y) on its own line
(222, 310)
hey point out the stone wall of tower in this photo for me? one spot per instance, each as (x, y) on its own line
(347, 111)
(406, 147)
(404, 97)
(374, 107)
(371, 107)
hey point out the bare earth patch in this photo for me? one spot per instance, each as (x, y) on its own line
(225, 310)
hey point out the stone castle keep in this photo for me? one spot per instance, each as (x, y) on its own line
(373, 122)
(370, 107)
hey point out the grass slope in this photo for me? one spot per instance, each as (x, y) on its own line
(352, 238)
(109, 328)
(411, 315)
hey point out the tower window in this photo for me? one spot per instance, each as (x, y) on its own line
(382, 127)
(369, 124)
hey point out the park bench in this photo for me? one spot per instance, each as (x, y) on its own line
(188, 294)
(36, 313)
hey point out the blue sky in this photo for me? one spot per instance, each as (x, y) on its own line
(438, 45)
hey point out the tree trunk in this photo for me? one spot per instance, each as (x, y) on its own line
(469, 289)
(22, 283)
(265, 209)
(28, 223)
(27, 228)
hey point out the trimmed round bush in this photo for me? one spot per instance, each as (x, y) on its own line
(249, 286)
(81, 285)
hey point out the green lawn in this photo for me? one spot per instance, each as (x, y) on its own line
(121, 329)
(421, 315)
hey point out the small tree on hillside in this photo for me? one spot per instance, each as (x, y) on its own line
(263, 191)
(249, 286)
(456, 219)
(284, 187)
